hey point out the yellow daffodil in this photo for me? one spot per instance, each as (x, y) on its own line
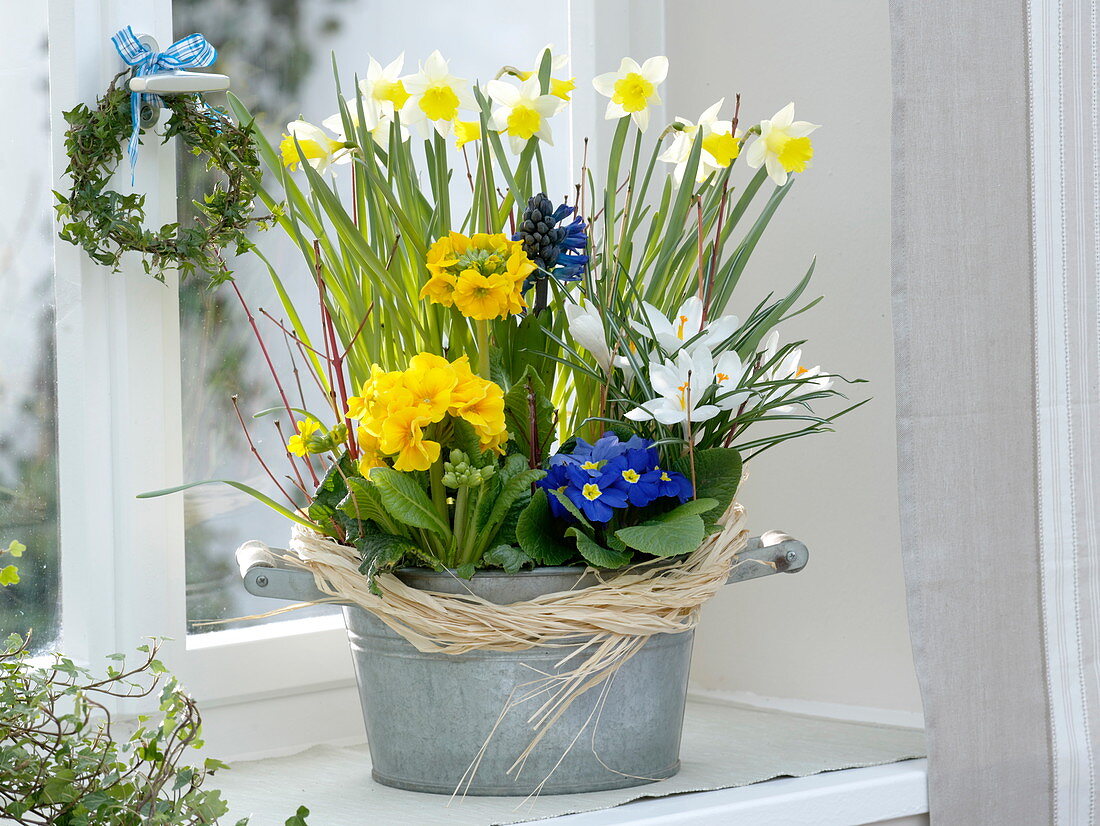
(559, 87)
(377, 121)
(720, 146)
(466, 131)
(482, 276)
(632, 89)
(384, 87)
(299, 443)
(435, 96)
(783, 146)
(317, 148)
(522, 113)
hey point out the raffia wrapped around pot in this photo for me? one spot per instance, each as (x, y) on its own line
(618, 614)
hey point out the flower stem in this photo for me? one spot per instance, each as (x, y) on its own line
(481, 329)
(462, 499)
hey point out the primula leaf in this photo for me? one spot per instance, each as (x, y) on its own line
(516, 487)
(364, 503)
(466, 570)
(332, 491)
(596, 555)
(406, 501)
(537, 533)
(574, 511)
(717, 476)
(507, 557)
(669, 535)
(529, 414)
(466, 440)
(382, 552)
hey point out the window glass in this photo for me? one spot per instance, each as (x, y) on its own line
(28, 399)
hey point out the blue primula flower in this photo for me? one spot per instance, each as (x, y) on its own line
(609, 474)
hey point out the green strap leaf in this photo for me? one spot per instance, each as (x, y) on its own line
(255, 494)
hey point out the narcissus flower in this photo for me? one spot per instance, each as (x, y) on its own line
(435, 96)
(522, 113)
(720, 145)
(559, 87)
(384, 87)
(377, 124)
(466, 131)
(305, 141)
(783, 145)
(586, 327)
(482, 276)
(632, 89)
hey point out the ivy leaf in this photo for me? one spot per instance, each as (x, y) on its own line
(16, 548)
(597, 555)
(298, 818)
(717, 476)
(407, 502)
(9, 575)
(537, 532)
(506, 557)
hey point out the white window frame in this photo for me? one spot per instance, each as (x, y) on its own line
(120, 423)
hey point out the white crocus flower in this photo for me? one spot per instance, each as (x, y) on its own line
(435, 96)
(304, 140)
(384, 86)
(586, 328)
(783, 146)
(720, 144)
(789, 368)
(679, 385)
(559, 87)
(728, 371)
(684, 326)
(523, 113)
(632, 89)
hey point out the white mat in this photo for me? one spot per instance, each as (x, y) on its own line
(723, 746)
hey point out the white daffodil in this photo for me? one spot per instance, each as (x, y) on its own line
(632, 89)
(377, 125)
(523, 113)
(586, 328)
(728, 371)
(783, 146)
(384, 87)
(559, 87)
(306, 141)
(684, 326)
(679, 386)
(435, 96)
(720, 144)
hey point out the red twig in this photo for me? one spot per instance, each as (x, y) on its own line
(256, 453)
(270, 364)
(337, 359)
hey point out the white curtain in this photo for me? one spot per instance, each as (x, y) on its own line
(996, 245)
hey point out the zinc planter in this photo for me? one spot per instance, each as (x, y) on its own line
(428, 715)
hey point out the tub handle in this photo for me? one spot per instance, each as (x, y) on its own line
(267, 573)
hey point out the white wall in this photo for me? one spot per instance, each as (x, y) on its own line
(835, 632)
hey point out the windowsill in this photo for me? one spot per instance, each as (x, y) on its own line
(839, 798)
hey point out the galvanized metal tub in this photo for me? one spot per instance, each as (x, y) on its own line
(428, 716)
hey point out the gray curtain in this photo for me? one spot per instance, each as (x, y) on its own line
(996, 242)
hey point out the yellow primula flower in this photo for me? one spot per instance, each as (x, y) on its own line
(402, 433)
(317, 148)
(783, 146)
(482, 276)
(430, 379)
(632, 89)
(466, 131)
(299, 443)
(370, 451)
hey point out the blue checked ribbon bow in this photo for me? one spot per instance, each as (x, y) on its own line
(192, 51)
